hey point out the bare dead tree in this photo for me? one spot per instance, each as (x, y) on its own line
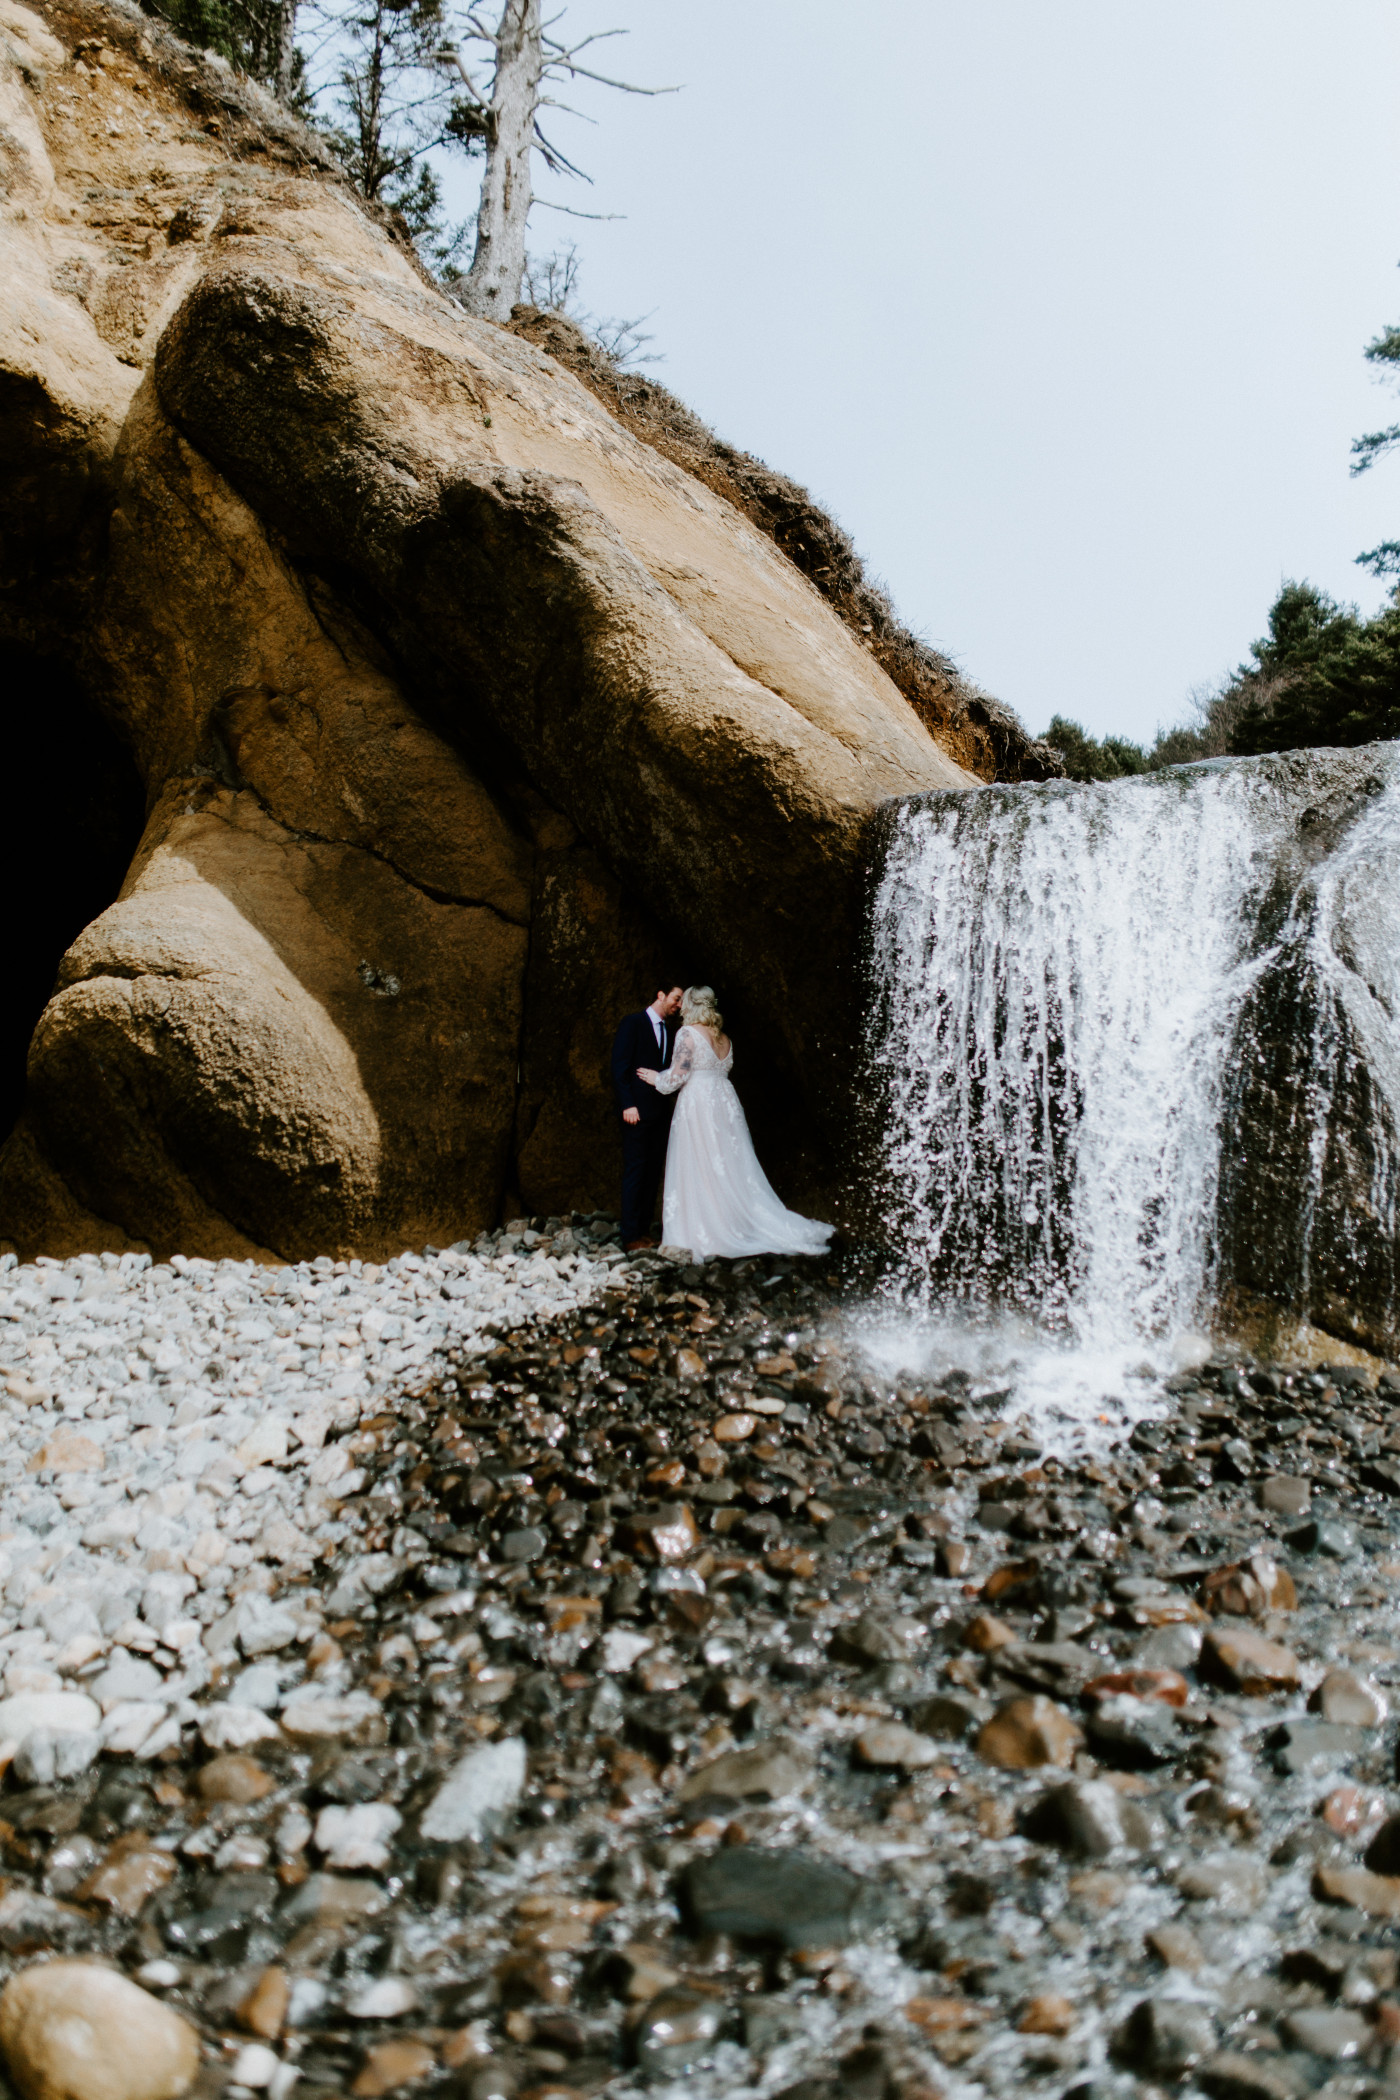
(523, 56)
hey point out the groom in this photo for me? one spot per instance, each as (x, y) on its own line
(646, 1040)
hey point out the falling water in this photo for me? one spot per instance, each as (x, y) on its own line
(1074, 990)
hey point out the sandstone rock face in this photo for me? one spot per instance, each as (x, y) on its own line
(464, 715)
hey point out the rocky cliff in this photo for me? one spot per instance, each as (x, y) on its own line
(452, 712)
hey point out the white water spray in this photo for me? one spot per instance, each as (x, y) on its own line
(1060, 974)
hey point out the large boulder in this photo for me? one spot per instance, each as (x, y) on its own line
(462, 713)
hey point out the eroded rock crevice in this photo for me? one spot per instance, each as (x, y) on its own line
(75, 817)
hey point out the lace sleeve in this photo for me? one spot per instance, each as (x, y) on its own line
(681, 1066)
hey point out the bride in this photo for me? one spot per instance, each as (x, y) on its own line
(717, 1198)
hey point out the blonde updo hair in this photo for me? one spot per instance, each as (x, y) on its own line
(698, 1009)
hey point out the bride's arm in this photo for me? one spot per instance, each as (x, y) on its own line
(680, 1068)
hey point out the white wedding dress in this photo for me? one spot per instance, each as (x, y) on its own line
(717, 1198)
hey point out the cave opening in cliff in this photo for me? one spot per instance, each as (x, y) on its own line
(74, 820)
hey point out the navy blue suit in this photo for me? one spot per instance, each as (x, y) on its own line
(644, 1143)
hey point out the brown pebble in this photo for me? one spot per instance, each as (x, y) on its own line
(1017, 1582)
(264, 2009)
(986, 1634)
(1048, 2014)
(1028, 1732)
(943, 2015)
(1168, 1687)
(129, 1875)
(234, 1778)
(734, 1429)
(1378, 1895)
(389, 2065)
(688, 1364)
(1247, 1663)
(1351, 1812)
(1177, 1947)
(74, 2030)
(1249, 1589)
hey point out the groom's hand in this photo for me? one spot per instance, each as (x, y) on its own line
(631, 1115)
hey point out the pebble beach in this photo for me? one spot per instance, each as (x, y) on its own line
(521, 1673)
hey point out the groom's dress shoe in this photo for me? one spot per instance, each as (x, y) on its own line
(638, 1246)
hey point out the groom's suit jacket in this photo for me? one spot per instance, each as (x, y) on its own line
(634, 1045)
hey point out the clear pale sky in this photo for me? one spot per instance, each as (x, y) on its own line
(1058, 305)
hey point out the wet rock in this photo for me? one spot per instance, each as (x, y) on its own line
(872, 1639)
(1378, 1895)
(1348, 1700)
(1048, 2014)
(1248, 2075)
(667, 1534)
(75, 2031)
(1124, 1730)
(1235, 1882)
(1383, 1852)
(1176, 1947)
(950, 1716)
(1355, 1813)
(237, 1779)
(890, 1746)
(762, 1772)
(1328, 1536)
(986, 1634)
(1314, 1746)
(1167, 1686)
(1328, 2032)
(1246, 1662)
(785, 1898)
(1174, 1648)
(388, 2066)
(263, 2009)
(1285, 1495)
(1166, 2037)
(478, 1795)
(1084, 1816)
(129, 1875)
(527, 1544)
(1028, 1732)
(1250, 1589)
(676, 2031)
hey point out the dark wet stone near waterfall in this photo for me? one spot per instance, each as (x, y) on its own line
(1084, 1817)
(677, 2031)
(1325, 1535)
(788, 1899)
(1128, 1731)
(1166, 2037)
(951, 1717)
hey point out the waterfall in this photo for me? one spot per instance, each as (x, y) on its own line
(1136, 1045)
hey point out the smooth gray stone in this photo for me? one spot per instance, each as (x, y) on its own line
(1328, 2031)
(1314, 1746)
(785, 1898)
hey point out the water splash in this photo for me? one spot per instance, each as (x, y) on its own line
(1061, 976)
